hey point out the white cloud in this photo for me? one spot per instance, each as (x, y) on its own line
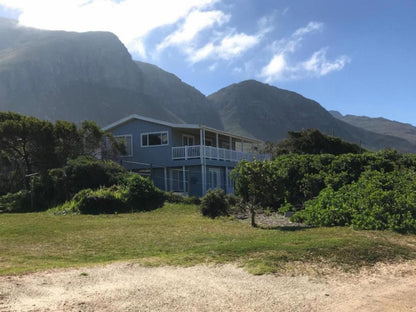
(279, 67)
(311, 27)
(227, 48)
(275, 68)
(291, 44)
(228, 45)
(195, 22)
(130, 20)
(318, 65)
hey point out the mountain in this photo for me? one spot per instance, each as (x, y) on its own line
(89, 76)
(177, 97)
(266, 112)
(380, 125)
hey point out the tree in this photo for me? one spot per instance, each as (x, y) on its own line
(312, 141)
(29, 145)
(27, 141)
(254, 183)
(68, 141)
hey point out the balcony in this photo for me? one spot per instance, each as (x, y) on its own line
(210, 152)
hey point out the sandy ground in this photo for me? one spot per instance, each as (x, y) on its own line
(131, 287)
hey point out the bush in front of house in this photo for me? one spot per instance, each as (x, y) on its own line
(214, 204)
(142, 194)
(135, 194)
(87, 172)
(103, 201)
(176, 198)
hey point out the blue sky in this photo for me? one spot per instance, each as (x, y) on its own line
(357, 57)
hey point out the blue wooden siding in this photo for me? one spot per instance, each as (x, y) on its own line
(160, 157)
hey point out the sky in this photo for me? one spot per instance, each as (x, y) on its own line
(357, 57)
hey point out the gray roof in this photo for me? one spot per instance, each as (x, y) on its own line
(177, 126)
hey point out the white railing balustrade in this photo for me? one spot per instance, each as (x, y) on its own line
(210, 152)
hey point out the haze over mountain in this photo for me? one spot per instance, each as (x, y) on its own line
(266, 112)
(380, 125)
(91, 76)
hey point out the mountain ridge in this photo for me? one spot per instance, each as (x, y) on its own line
(91, 76)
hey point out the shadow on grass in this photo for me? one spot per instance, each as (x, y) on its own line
(283, 228)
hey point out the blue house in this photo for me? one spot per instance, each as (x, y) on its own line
(184, 158)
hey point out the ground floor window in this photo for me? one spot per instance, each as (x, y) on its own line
(178, 180)
(214, 178)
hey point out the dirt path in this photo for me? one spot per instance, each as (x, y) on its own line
(130, 287)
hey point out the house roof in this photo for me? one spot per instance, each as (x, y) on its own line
(177, 126)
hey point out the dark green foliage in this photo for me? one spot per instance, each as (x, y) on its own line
(191, 200)
(102, 201)
(136, 193)
(295, 178)
(177, 198)
(15, 202)
(377, 201)
(214, 204)
(88, 172)
(312, 141)
(231, 199)
(172, 197)
(368, 191)
(27, 141)
(142, 194)
(258, 182)
(29, 145)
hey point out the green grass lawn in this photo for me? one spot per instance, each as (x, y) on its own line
(179, 235)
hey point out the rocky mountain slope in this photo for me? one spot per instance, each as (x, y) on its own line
(91, 76)
(380, 125)
(79, 76)
(266, 112)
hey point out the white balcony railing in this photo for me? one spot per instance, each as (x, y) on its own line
(210, 152)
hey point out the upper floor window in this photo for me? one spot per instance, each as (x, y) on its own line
(127, 141)
(155, 138)
(188, 140)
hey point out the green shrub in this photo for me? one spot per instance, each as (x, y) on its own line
(87, 172)
(231, 199)
(214, 204)
(377, 201)
(135, 194)
(286, 207)
(102, 201)
(174, 198)
(191, 200)
(15, 202)
(142, 194)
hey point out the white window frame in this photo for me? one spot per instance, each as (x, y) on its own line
(155, 132)
(188, 136)
(131, 143)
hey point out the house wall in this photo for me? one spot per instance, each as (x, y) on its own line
(158, 156)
